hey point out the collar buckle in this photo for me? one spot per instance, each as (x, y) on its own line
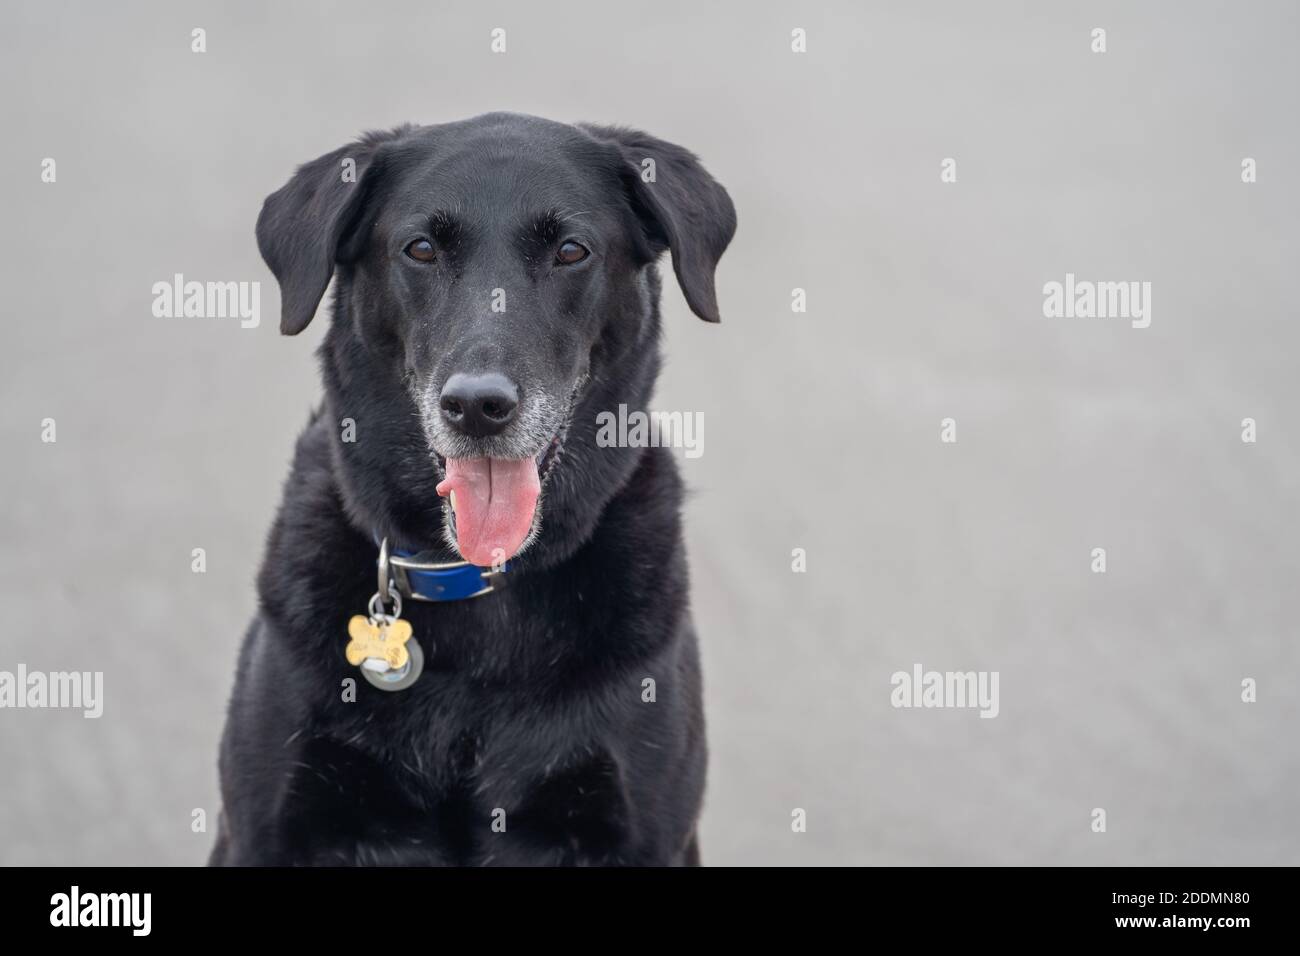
(420, 578)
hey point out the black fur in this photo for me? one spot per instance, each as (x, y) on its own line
(531, 698)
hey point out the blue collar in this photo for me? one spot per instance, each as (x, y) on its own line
(416, 575)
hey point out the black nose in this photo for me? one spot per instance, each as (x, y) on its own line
(479, 405)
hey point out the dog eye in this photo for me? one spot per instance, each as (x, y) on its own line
(421, 250)
(571, 252)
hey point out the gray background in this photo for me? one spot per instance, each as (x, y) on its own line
(1119, 691)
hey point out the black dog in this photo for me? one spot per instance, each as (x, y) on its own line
(495, 291)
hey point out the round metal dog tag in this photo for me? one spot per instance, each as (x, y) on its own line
(397, 678)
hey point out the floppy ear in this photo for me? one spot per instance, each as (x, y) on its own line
(304, 224)
(682, 208)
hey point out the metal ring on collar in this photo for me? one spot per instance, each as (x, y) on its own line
(377, 606)
(383, 570)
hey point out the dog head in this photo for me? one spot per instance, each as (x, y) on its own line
(488, 270)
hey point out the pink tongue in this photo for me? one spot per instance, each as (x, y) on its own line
(495, 500)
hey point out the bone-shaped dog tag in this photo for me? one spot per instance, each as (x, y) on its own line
(379, 640)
